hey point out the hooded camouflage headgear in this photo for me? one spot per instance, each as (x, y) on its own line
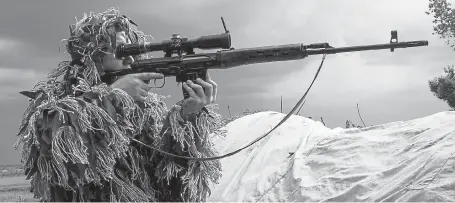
(90, 39)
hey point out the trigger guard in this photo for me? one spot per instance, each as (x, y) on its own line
(154, 82)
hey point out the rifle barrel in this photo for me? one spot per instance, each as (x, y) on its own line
(240, 57)
(368, 47)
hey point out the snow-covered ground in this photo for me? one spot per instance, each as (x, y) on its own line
(305, 161)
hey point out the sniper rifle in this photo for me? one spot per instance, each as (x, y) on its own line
(181, 61)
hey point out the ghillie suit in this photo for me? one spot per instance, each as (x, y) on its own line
(76, 133)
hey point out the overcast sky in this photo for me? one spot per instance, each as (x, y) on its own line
(388, 86)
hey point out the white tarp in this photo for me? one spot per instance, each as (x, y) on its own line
(305, 161)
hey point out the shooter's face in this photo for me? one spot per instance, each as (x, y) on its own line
(110, 62)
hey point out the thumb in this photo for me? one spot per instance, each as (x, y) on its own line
(148, 76)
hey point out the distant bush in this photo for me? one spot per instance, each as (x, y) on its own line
(443, 87)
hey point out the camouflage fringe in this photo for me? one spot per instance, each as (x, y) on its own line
(81, 143)
(188, 138)
(77, 143)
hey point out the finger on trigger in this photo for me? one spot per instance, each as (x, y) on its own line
(189, 90)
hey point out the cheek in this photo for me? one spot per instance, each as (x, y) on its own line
(110, 63)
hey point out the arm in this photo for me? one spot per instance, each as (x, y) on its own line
(186, 131)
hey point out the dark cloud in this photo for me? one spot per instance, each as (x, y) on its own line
(42, 25)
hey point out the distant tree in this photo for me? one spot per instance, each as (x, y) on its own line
(443, 20)
(443, 87)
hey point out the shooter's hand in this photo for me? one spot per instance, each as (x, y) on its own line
(201, 94)
(133, 84)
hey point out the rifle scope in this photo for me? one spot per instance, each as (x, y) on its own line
(177, 45)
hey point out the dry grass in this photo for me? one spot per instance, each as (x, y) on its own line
(245, 113)
(13, 187)
(11, 171)
(16, 194)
